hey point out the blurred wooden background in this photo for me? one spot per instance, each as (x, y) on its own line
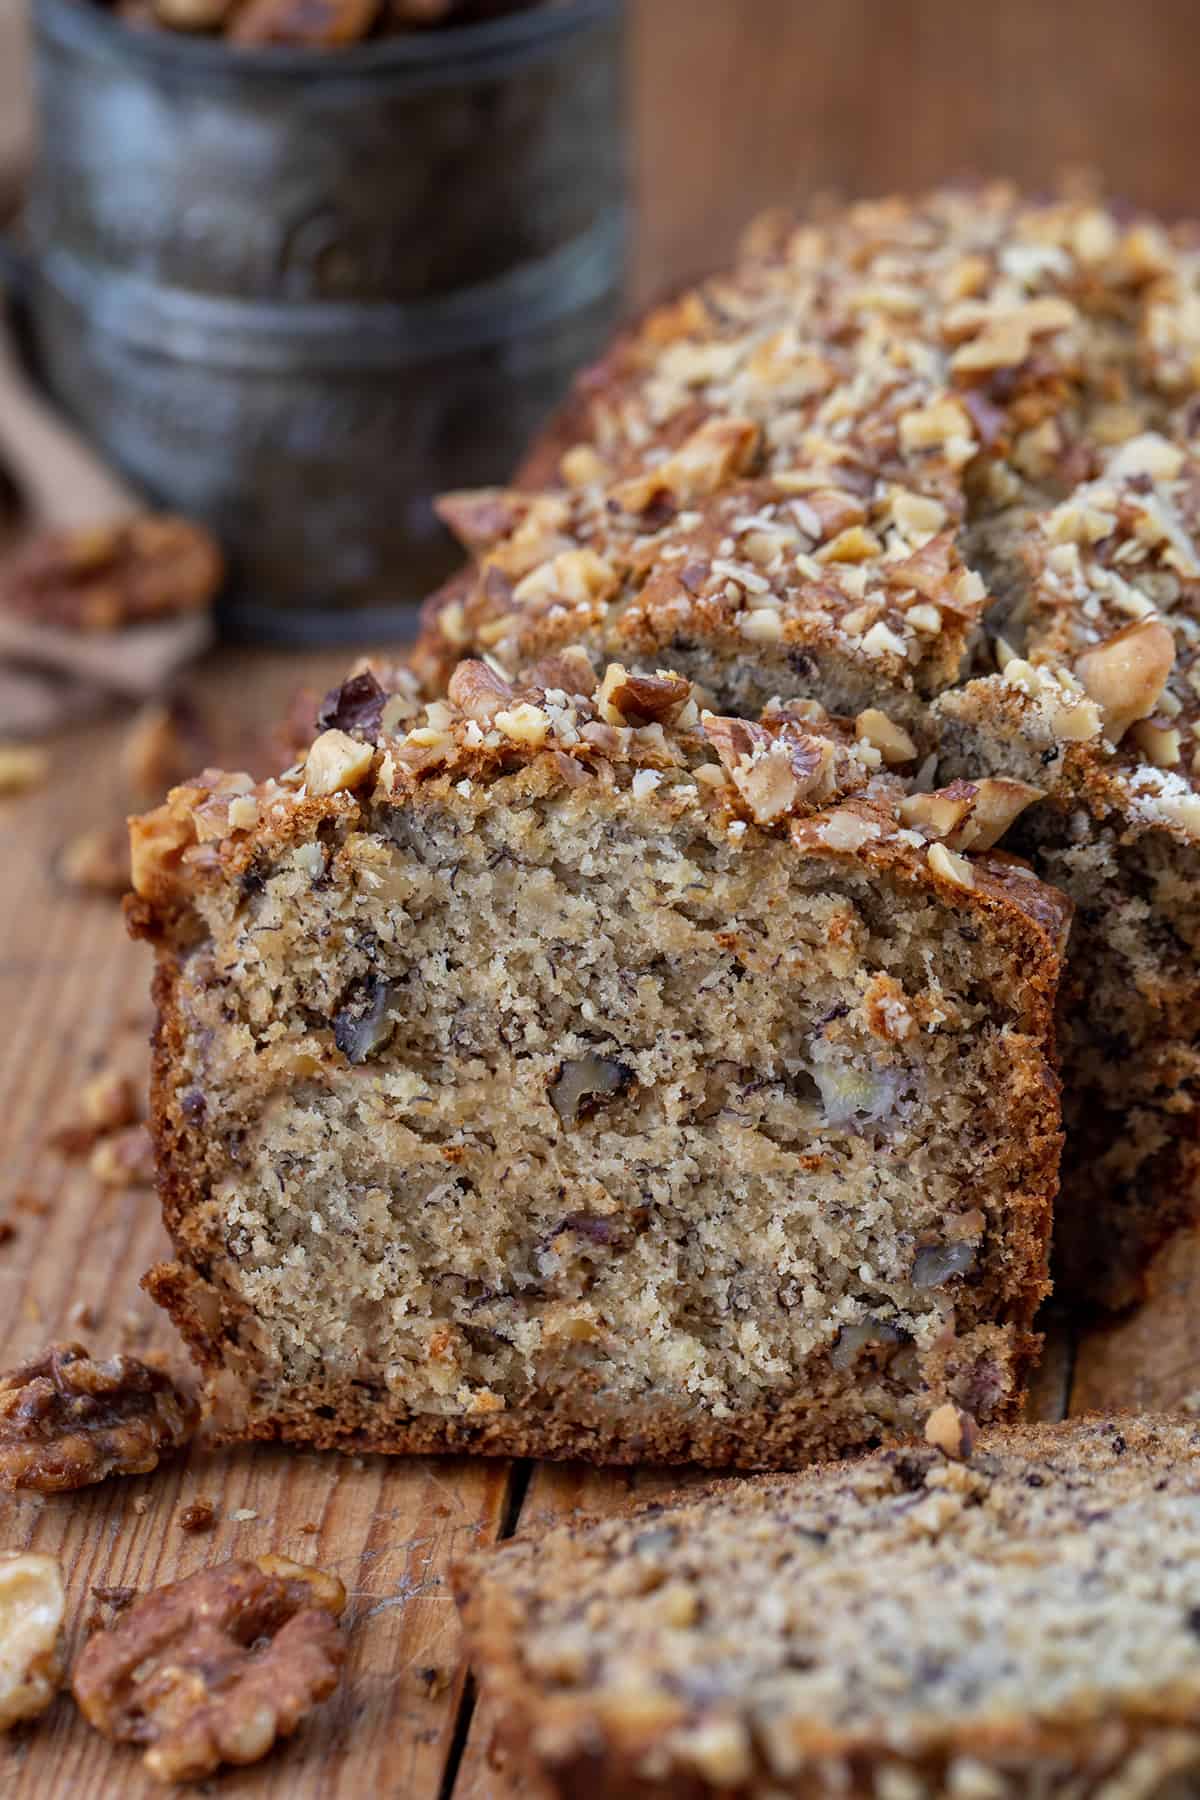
(740, 104)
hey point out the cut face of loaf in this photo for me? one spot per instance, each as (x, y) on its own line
(532, 1083)
(1024, 1623)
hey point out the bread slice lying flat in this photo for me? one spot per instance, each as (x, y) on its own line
(1025, 1622)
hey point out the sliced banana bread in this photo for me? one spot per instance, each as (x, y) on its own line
(889, 452)
(570, 1070)
(902, 1627)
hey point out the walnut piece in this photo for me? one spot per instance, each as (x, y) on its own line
(336, 761)
(883, 734)
(215, 1668)
(479, 692)
(103, 577)
(772, 774)
(31, 1614)
(96, 861)
(1126, 674)
(951, 1431)
(66, 1421)
(625, 699)
(123, 1159)
(22, 766)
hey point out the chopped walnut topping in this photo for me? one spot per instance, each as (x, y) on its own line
(479, 692)
(950, 866)
(995, 803)
(940, 812)
(1161, 745)
(892, 741)
(31, 1616)
(773, 774)
(524, 724)
(626, 699)
(335, 762)
(1126, 674)
(969, 815)
(214, 1669)
(720, 449)
(66, 1421)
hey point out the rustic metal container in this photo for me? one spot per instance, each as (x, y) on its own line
(297, 293)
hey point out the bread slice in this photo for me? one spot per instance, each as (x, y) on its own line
(569, 1071)
(904, 1626)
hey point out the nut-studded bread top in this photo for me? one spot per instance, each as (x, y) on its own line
(889, 451)
(833, 785)
(905, 1624)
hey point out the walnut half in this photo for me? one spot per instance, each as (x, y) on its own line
(215, 1668)
(31, 1614)
(66, 1421)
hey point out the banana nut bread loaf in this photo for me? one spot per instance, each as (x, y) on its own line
(903, 1627)
(568, 1070)
(894, 450)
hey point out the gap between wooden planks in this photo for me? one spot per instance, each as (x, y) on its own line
(405, 1720)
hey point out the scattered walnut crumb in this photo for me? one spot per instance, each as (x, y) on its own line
(133, 1329)
(96, 861)
(116, 1597)
(243, 1514)
(141, 1505)
(22, 766)
(215, 1668)
(430, 1680)
(200, 1515)
(309, 1529)
(82, 1316)
(951, 1431)
(8, 1231)
(124, 1159)
(108, 1101)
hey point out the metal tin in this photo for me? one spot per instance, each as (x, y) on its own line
(296, 293)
